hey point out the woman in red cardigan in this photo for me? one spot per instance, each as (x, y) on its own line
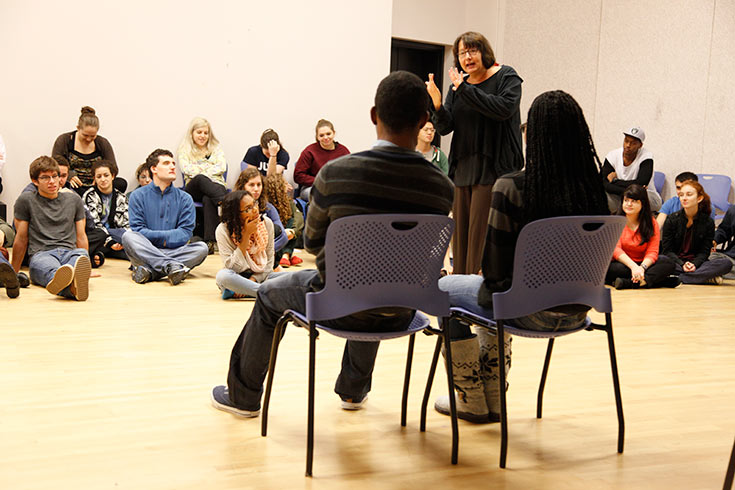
(636, 262)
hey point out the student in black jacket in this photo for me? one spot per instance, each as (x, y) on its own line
(688, 236)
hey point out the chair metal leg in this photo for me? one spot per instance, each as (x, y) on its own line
(616, 381)
(501, 383)
(310, 422)
(730, 471)
(277, 334)
(452, 401)
(407, 379)
(540, 397)
(430, 381)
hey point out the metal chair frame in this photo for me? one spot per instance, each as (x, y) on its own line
(399, 266)
(558, 261)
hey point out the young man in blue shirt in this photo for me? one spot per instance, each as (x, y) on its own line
(162, 220)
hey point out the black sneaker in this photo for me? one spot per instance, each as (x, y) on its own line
(177, 276)
(221, 401)
(353, 403)
(9, 279)
(23, 280)
(621, 283)
(671, 282)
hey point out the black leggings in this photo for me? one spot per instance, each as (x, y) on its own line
(210, 194)
(656, 273)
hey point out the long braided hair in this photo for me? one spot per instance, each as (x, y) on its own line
(562, 167)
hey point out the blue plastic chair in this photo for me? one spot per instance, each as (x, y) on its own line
(401, 257)
(658, 181)
(558, 261)
(718, 188)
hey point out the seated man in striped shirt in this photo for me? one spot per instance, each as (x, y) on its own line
(362, 183)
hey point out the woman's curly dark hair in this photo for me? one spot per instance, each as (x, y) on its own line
(244, 178)
(231, 215)
(275, 191)
(562, 167)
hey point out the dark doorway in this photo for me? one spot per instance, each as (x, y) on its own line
(419, 59)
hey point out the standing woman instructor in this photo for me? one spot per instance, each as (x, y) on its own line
(483, 110)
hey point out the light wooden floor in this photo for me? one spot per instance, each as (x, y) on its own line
(114, 393)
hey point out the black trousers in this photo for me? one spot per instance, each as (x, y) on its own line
(210, 194)
(659, 271)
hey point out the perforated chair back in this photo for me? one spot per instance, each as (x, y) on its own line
(718, 188)
(560, 261)
(658, 181)
(382, 260)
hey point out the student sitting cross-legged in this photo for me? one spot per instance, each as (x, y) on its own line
(245, 242)
(108, 208)
(50, 225)
(161, 224)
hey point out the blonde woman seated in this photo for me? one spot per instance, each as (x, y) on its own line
(245, 242)
(636, 261)
(203, 165)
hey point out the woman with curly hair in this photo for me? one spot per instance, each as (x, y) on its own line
(251, 180)
(291, 217)
(245, 241)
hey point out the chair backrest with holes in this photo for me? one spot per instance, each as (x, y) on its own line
(383, 260)
(560, 261)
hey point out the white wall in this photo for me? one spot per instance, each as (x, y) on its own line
(667, 66)
(148, 67)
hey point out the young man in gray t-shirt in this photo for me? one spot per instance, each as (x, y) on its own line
(50, 225)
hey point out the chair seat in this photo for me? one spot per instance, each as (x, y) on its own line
(512, 329)
(418, 323)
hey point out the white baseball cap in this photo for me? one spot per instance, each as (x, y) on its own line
(636, 132)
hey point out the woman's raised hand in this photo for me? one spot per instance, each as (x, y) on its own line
(434, 92)
(456, 76)
(273, 148)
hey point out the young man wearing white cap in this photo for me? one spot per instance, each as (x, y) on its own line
(627, 165)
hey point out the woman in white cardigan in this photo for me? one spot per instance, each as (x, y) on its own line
(245, 242)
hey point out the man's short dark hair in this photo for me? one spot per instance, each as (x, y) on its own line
(152, 159)
(62, 161)
(684, 176)
(111, 166)
(401, 101)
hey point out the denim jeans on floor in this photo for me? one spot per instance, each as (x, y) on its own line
(250, 355)
(229, 279)
(162, 260)
(43, 265)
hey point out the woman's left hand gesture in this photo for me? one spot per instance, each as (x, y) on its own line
(273, 148)
(689, 267)
(456, 76)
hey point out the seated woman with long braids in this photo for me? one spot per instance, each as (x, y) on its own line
(636, 262)
(245, 242)
(688, 238)
(561, 178)
(276, 192)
